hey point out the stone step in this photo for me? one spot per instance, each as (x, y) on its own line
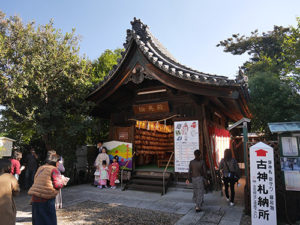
(140, 187)
(150, 177)
(147, 181)
(152, 173)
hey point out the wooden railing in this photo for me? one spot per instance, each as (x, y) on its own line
(122, 170)
(164, 190)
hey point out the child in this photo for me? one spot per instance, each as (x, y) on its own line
(113, 172)
(103, 175)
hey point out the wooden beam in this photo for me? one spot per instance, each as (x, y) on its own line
(201, 143)
(224, 108)
(218, 102)
(209, 148)
(231, 148)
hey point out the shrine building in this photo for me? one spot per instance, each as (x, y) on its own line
(166, 110)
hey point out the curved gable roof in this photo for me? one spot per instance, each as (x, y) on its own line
(160, 57)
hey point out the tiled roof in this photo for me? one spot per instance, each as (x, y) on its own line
(161, 58)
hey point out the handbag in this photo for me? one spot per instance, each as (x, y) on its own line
(97, 173)
(231, 175)
(117, 181)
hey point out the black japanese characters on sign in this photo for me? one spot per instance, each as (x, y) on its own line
(263, 201)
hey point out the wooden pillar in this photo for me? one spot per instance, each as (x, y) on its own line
(209, 149)
(232, 148)
(111, 135)
(200, 119)
(201, 144)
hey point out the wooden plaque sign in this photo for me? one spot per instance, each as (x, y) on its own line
(151, 108)
(123, 135)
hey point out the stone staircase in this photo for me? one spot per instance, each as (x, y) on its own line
(148, 181)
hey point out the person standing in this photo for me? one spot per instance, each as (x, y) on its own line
(231, 174)
(47, 183)
(197, 175)
(58, 199)
(31, 163)
(9, 187)
(113, 172)
(15, 164)
(103, 175)
(103, 156)
(100, 146)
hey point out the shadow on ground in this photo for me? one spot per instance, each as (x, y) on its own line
(90, 212)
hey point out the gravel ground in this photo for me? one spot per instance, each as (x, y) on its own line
(90, 212)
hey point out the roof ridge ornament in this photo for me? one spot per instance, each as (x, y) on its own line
(139, 28)
(138, 75)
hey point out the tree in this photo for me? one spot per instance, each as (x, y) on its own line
(98, 128)
(273, 65)
(104, 64)
(271, 101)
(43, 84)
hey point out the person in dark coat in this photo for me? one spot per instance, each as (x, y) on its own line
(31, 164)
(100, 146)
(231, 173)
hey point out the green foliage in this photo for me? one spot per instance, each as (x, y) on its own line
(272, 101)
(98, 129)
(274, 73)
(265, 50)
(43, 84)
(104, 64)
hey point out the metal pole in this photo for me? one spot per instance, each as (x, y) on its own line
(164, 192)
(245, 134)
(122, 180)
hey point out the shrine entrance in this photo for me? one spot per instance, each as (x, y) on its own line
(154, 145)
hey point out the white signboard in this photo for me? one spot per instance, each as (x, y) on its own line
(292, 180)
(262, 181)
(186, 138)
(6, 145)
(289, 146)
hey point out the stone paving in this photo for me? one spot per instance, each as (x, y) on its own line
(176, 202)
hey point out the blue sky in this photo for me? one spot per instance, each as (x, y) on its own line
(189, 29)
